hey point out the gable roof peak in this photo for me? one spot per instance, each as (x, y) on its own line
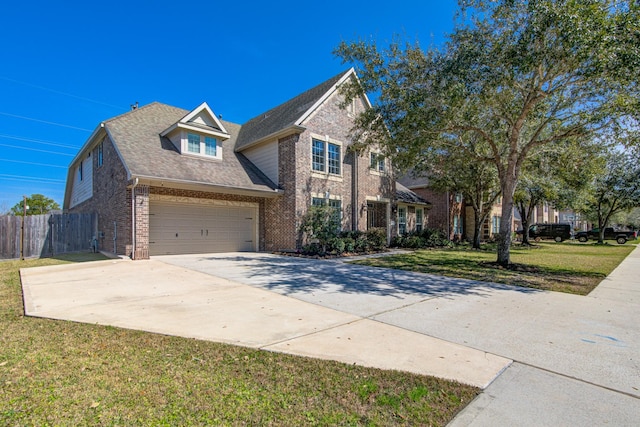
(200, 118)
(288, 116)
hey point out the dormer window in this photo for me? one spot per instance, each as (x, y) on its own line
(201, 144)
(199, 133)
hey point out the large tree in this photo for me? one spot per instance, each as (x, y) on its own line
(37, 204)
(615, 190)
(517, 76)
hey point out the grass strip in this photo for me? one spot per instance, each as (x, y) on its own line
(570, 267)
(65, 373)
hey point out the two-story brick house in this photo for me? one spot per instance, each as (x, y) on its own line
(164, 180)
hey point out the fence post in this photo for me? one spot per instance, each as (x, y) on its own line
(24, 214)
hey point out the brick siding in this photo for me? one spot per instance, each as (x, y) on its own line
(111, 201)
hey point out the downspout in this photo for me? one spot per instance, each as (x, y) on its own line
(133, 219)
(354, 193)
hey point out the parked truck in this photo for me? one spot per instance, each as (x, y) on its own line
(610, 233)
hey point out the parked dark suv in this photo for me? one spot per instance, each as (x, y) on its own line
(557, 232)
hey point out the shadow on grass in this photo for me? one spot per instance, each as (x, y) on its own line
(293, 275)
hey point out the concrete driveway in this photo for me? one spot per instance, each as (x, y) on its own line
(576, 358)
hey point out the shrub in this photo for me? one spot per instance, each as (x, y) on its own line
(377, 238)
(337, 245)
(427, 238)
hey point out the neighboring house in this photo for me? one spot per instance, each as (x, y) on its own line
(446, 212)
(451, 215)
(164, 180)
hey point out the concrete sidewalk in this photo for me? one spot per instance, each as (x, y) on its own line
(158, 297)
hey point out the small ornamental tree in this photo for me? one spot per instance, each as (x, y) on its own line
(320, 224)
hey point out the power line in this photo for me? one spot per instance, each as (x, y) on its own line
(62, 93)
(39, 141)
(44, 121)
(32, 178)
(35, 149)
(33, 163)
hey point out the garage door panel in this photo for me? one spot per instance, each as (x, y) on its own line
(189, 228)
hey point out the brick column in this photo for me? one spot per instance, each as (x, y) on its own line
(141, 200)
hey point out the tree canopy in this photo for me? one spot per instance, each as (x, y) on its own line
(615, 190)
(514, 77)
(38, 204)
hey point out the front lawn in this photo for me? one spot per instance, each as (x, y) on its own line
(64, 373)
(564, 267)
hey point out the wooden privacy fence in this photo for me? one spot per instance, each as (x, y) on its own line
(46, 235)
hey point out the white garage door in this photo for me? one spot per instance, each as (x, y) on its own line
(178, 228)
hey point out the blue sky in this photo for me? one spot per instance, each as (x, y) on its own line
(67, 66)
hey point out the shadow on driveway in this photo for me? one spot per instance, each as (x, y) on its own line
(294, 275)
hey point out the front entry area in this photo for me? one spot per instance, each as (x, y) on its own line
(191, 228)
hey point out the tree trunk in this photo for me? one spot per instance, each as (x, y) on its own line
(525, 217)
(508, 187)
(477, 219)
(477, 229)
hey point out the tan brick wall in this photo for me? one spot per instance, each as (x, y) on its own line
(300, 184)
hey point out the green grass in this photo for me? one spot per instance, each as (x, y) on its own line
(64, 373)
(564, 267)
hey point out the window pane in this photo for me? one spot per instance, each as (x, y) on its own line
(495, 224)
(210, 145)
(373, 163)
(317, 155)
(193, 145)
(317, 201)
(337, 211)
(334, 159)
(402, 220)
(100, 151)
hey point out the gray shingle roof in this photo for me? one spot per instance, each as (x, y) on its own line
(404, 195)
(136, 135)
(284, 115)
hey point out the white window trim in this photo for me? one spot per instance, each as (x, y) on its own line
(325, 174)
(184, 145)
(377, 170)
(406, 219)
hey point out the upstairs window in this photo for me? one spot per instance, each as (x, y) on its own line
(317, 155)
(193, 143)
(100, 155)
(80, 171)
(325, 157)
(210, 146)
(203, 145)
(334, 158)
(376, 162)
